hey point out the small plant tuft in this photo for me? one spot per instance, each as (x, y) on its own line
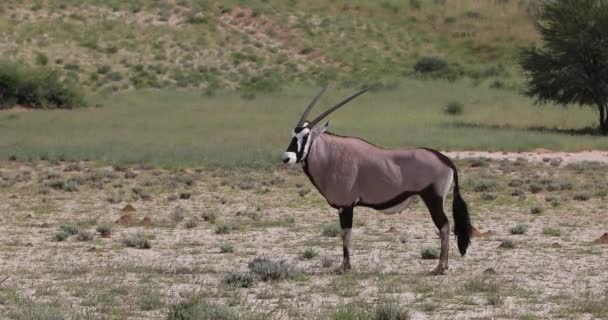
(582, 196)
(61, 236)
(70, 229)
(309, 254)
(223, 228)
(267, 269)
(138, 241)
(553, 232)
(429, 254)
(226, 248)
(190, 224)
(331, 230)
(85, 235)
(519, 229)
(104, 229)
(507, 244)
(209, 216)
(239, 279)
(537, 209)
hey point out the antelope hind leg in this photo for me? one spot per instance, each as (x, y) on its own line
(346, 224)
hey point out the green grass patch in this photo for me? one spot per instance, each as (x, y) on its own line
(159, 127)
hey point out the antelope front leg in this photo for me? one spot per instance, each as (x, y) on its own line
(346, 223)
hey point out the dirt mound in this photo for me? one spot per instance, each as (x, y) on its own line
(602, 240)
(128, 208)
(391, 230)
(146, 222)
(127, 219)
(478, 234)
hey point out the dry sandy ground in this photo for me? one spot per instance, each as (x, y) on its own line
(278, 214)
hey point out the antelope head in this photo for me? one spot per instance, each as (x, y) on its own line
(305, 131)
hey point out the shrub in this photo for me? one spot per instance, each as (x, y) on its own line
(104, 229)
(226, 248)
(267, 269)
(552, 232)
(138, 241)
(84, 235)
(61, 236)
(536, 209)
(535, 188)
(41, 59)
(239, 279)
(390, 311)
(582, 196)
(70, 229)
(194, 310)
(223, 228)
(507, 244)
(190, 224)
(519, 229)
(485, 186)
(309, 253)
(428, 65)
(36, 88)
(384, 311)
(209, 216)
(331, 230)
(429, 254)
(453, 108)
(488, 196)
(178, 214)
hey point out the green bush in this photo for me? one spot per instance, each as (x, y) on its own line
(36, 88)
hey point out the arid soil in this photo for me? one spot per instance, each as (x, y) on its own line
(202, 224)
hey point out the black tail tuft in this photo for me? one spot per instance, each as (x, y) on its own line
(462, 224)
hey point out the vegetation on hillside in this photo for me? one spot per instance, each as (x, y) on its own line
(36, 88)
(258, 45)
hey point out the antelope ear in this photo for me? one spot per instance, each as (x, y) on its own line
(322, 128)
(316, 131)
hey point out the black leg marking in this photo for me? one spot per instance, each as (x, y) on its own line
(346, 223)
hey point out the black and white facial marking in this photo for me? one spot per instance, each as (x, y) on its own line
(299, 145)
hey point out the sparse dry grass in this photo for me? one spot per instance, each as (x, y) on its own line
(197, 269)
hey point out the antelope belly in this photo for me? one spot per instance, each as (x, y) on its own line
(399, 207)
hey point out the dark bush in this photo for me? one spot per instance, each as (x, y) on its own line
(36, 88)
(453, 108)
(427, 65)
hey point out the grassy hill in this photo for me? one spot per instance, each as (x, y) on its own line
(258, 45)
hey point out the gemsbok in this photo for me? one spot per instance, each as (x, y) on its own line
(351, 172)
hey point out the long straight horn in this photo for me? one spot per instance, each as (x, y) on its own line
(334, 108)
(310, 105)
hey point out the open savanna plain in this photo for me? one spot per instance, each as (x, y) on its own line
(83, 240)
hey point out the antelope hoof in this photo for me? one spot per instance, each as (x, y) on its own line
(344, 268)
(439, 271)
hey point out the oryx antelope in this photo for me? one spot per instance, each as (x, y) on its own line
(351, 172)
